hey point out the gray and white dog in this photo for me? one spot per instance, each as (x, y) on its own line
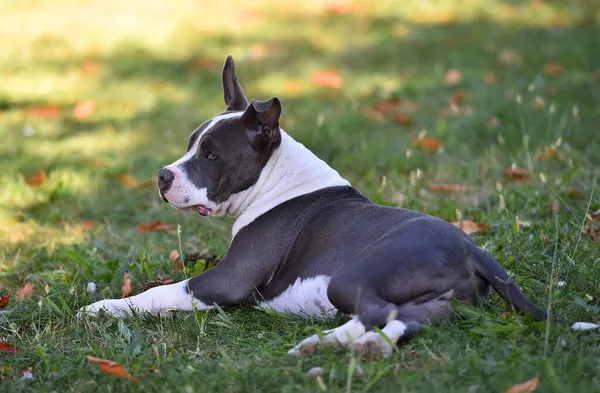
(306, 242)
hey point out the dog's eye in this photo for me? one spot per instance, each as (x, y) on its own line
(211, 156)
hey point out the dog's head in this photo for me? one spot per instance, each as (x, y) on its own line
(226, 154)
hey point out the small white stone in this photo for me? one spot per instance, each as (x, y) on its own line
(584, 326)
(316, 371)
(91, 287)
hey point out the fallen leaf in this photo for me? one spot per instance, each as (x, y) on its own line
(327, 79)
(133, 182)
(126, 288)
(510, 56)
(516, 173)
(525, 387)
(550, 152)
(428, 143)
(293, 87)
(596, 75)
(458, 97)
(8, 347)
(25, 291)
(154, 226)
(469, 226)
(338, 8)
(90, 68)
(490, 78)
(38, 179)
(174, 257)
(453, 77)
(403, 119)
(553, 68)
(447, 187)
(158, 281)
(84, 109)
(87, 224)
(43, 112)
(4, 300)
(203, 63)
(112, 368)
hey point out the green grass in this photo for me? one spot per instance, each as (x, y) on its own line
(145, 70)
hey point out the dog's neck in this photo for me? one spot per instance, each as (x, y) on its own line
(291, 171)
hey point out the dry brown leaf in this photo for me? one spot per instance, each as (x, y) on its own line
(126, 290)
(596, 75)
(25, 291)
(453, 77)
(553, 68)
(327, 79)
(469, 226)
(38, 178)
(4, 299)
(84, 109)
(447, 187)
(516, 173)
(112, 368)
(490, 78)
(428, 143)
(174, 258)
(525, 387)
(8, 347)
(158, 281)
(43, 112)
(154, 226)
(458, 97)
(403, 119)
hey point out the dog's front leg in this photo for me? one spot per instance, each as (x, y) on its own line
(158, 301)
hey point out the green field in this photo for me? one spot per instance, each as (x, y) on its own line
(400, 97)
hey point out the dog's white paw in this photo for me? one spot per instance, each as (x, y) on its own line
(118, 308)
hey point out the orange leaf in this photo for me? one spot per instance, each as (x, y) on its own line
(516, 173)
(90, 67)
(428, 143)
(44, 112)
(112, 368)
(155, 226)
(8, 347)
(4, 300)
(403, 119)
(338, 8)
(293, 87)
(553, 68)
(446, 187)
(25, 291)
(87, 224)
(37, 179)
(453, 76)
(84, 109)
(458, 97)
(133, 182)
(525, 387)
(551, 152)
(174, 256)
(126, 288)
(327, 79)
(469, 226)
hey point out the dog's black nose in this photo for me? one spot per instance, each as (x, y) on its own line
(165, 178)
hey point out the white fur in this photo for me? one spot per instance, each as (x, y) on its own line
(292, 170)
(158, 300)
(393, 330)
(305, 297)
(340, 336)
(184, 193)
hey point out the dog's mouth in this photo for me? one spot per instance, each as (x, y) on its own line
(201, 209)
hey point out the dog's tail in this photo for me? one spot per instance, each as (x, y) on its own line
(488, 268)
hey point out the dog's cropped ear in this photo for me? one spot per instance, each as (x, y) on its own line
(261, 119)
(232, 91)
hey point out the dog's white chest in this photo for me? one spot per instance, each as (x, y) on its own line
(305, 297)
